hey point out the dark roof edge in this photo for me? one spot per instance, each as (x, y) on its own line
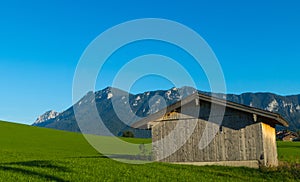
(273, 116)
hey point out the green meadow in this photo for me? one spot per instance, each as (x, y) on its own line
(288, 151)
(38, 154)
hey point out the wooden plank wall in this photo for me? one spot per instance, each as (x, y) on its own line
(270, 147)
(240, 138)
(228, 145)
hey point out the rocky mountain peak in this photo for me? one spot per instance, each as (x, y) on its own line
(46, 116)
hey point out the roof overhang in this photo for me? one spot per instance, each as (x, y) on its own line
(275, 118)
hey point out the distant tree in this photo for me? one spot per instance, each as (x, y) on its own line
(128, 134)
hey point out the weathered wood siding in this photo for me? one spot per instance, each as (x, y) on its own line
(240, 137)
(270, 147)
(228, 144)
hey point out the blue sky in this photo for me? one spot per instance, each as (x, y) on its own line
(256, 42)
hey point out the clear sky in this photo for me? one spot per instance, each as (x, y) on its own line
(257, 44)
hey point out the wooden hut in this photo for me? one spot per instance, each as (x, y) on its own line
(289, 136)
(244, 137)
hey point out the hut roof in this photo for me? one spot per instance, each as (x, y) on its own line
(274, 118)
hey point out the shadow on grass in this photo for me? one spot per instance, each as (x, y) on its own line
(119, 156)
(17, 167)
(131, 157)
(39, 163)
(90, 157)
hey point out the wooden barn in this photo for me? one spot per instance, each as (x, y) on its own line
(244, 137)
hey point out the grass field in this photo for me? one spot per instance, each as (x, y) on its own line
(38, 154)
(289, 151)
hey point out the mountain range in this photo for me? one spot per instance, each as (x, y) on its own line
(118, 108)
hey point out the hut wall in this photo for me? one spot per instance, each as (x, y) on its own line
(270, 147)
(228, 144)
(240, 136)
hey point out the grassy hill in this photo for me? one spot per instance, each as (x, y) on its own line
(38, 154)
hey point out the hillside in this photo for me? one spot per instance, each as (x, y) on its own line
(149, 102)
(37, 154)
(19, 142)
